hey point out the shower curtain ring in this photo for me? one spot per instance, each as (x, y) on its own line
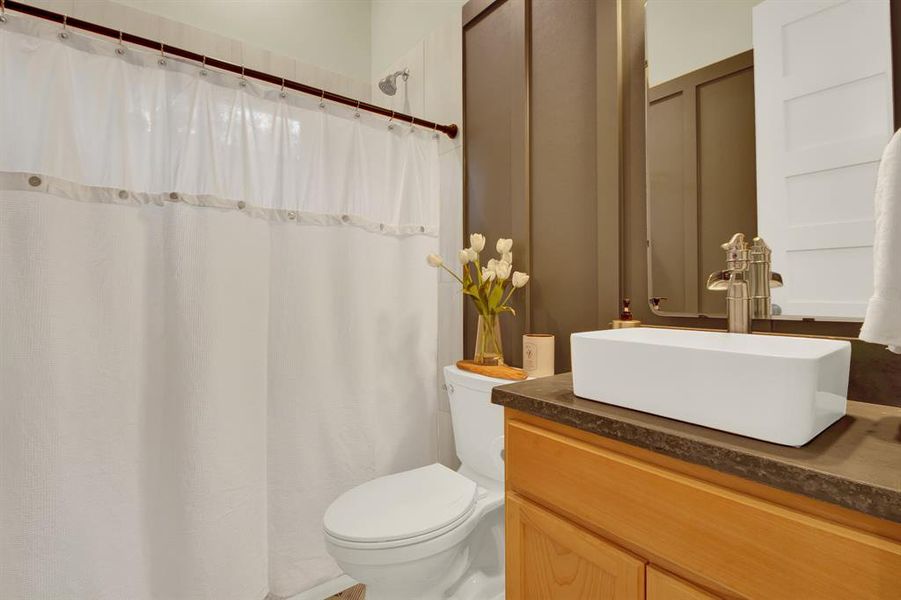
(64, 34)
(243, 82)
(322, 99)
(162, 61)
(2, 11)
(283, 93)
(390, 124)
(357, 110)
(121, 49)
(203, 71)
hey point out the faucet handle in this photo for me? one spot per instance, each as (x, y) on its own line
(736, 253)
(736, 242)
(655, 301)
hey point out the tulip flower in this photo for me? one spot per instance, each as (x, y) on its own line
(503, 268)
(504, 245)
(477, 242)
(519, 279)
(434, 260)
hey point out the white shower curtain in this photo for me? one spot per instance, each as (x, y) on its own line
(215, 317)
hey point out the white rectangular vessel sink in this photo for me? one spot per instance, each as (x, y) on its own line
(779, 389)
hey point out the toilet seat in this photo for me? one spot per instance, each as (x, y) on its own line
(401, 509)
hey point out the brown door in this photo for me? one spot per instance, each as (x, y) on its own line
(549, 558)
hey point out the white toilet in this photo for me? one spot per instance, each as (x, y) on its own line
(432, 533)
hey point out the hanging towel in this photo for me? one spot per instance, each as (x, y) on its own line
(882, 324)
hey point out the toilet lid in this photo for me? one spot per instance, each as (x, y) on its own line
(401, 506)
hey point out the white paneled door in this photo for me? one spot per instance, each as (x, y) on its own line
(823, 89)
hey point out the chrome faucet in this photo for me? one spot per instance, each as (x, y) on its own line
(762, 279)
(747, 280)
(734, 279)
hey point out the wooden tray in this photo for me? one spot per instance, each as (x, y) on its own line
(499, 371)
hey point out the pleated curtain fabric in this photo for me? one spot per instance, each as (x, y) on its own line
(215, 317)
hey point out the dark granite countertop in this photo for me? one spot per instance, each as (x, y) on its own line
(855, 463)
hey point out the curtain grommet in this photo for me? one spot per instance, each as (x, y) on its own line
(421, 229)
(123, 195)
(173, 196)
(345, 218)
(381, 227)
(241, 205)
(34, 181)
(292, 215)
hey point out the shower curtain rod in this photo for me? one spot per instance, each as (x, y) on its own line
(165, 49)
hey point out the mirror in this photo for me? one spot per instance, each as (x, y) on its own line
(766, 118)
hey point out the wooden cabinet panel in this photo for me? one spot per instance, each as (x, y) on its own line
(549, 558)
(663, 586)
(734, 543)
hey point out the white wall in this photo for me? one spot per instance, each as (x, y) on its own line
(397, 25)
(331, 34)
(685, 35)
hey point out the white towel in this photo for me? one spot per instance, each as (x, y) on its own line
(882, 324)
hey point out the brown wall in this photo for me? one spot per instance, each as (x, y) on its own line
(531, 177)
(563, 217)
(495, 118)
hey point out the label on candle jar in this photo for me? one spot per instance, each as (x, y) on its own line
(529, 355)
(538, 354)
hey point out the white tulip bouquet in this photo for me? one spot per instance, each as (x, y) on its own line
(490, 288)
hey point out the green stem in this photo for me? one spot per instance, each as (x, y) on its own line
(510, 293)
(454, 275)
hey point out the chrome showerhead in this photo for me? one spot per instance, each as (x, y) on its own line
(388, 85)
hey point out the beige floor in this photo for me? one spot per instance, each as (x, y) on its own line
(357, 592)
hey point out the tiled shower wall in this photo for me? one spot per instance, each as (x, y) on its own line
(145, 24)
(435, 91)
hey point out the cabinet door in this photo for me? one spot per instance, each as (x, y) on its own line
(549, 558)
(663, 586)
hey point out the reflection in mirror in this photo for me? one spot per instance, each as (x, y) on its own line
(766, 118)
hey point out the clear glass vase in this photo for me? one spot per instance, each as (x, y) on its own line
(489, 346)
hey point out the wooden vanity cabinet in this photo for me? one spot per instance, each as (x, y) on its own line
(591, 518)
(663, 586)
(553, 558)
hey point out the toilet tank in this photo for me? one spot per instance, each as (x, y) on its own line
(478, 424)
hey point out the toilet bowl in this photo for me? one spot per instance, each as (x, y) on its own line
(432, 533)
